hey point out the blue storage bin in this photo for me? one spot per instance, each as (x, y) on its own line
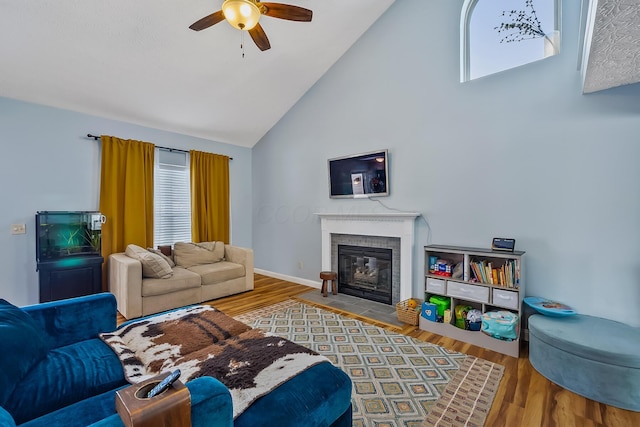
(429, 311)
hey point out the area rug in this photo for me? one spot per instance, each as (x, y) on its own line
(467, 399)
(397, 380)
(200, 340)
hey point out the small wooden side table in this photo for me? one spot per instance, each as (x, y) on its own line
(171, 408)
(326, 276)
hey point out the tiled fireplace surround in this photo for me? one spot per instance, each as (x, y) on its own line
(392, 243)
(394, 231)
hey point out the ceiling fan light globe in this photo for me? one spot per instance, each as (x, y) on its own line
(245, 10)
(241, 14)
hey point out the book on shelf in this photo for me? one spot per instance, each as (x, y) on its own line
(476, 272)
(506, 275)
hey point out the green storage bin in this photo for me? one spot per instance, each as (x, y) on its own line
(442, 303)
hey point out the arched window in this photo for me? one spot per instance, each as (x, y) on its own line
(496, 35)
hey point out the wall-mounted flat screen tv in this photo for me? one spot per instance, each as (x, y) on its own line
(359, 175)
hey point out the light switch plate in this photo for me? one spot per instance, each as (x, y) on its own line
(18, 228)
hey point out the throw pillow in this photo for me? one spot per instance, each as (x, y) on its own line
(189, 254)
(166, 258)
(24, 344)
(216, 247)
(153, 265)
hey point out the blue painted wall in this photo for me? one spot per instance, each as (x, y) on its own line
(47, 163)
(519, 154)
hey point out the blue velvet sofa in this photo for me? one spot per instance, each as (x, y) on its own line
(55, 371)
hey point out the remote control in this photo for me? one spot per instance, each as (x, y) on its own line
(165, 384)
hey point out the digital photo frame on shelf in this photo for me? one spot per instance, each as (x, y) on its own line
(503, 244)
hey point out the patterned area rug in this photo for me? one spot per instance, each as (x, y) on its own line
(397, 380)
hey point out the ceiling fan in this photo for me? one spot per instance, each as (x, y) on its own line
(245, 14)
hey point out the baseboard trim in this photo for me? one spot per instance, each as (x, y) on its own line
(293, 279)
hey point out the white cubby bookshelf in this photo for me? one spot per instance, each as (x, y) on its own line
(467, 290)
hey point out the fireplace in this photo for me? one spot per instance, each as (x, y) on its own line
(365, 272)
(379, 230)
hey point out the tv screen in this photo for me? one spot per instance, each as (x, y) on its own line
(359, 175)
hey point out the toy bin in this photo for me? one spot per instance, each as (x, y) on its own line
(500, 324)
(442, 304)
(408, 311)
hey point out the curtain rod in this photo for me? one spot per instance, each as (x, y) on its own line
(97, 137)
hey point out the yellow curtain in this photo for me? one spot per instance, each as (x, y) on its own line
(126, 195)
(210, 214)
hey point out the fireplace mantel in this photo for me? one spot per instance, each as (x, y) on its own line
(396, 224)
(387, 216)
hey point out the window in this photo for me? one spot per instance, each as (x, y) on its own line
(498, 35)
(172, 197)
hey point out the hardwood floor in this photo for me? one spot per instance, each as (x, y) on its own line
(525, 398)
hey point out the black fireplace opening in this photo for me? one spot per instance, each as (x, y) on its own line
(365, 272)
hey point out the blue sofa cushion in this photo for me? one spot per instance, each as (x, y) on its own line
(23, 345)
(66, 375)
(210, 406)
(75, 319)
(315, 398)
(79, 414)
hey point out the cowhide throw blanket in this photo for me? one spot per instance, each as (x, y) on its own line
(200, 340)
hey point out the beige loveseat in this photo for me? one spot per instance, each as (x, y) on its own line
(146, 281)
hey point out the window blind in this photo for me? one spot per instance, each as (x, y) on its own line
(172, 198)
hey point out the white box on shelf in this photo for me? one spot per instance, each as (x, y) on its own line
(436, 286)
(507, 299)
(468, 292)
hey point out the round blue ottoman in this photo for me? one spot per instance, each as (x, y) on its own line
(591, 356)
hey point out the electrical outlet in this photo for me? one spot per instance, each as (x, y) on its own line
(299, 265)
(18, 228)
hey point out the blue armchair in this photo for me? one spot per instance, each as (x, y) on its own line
(56, 371)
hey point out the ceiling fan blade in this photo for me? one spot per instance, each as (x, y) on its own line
(260, 37)
(287, 11)
(207, 21)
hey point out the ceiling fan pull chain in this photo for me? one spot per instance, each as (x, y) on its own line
(242, 43)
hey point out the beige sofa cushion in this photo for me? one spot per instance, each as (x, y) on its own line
(190, 254)
(166, 258)
(218, 272)
(153, 265)
(182, 279)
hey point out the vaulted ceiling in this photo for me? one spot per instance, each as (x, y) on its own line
(611, 55)
(137, 61)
